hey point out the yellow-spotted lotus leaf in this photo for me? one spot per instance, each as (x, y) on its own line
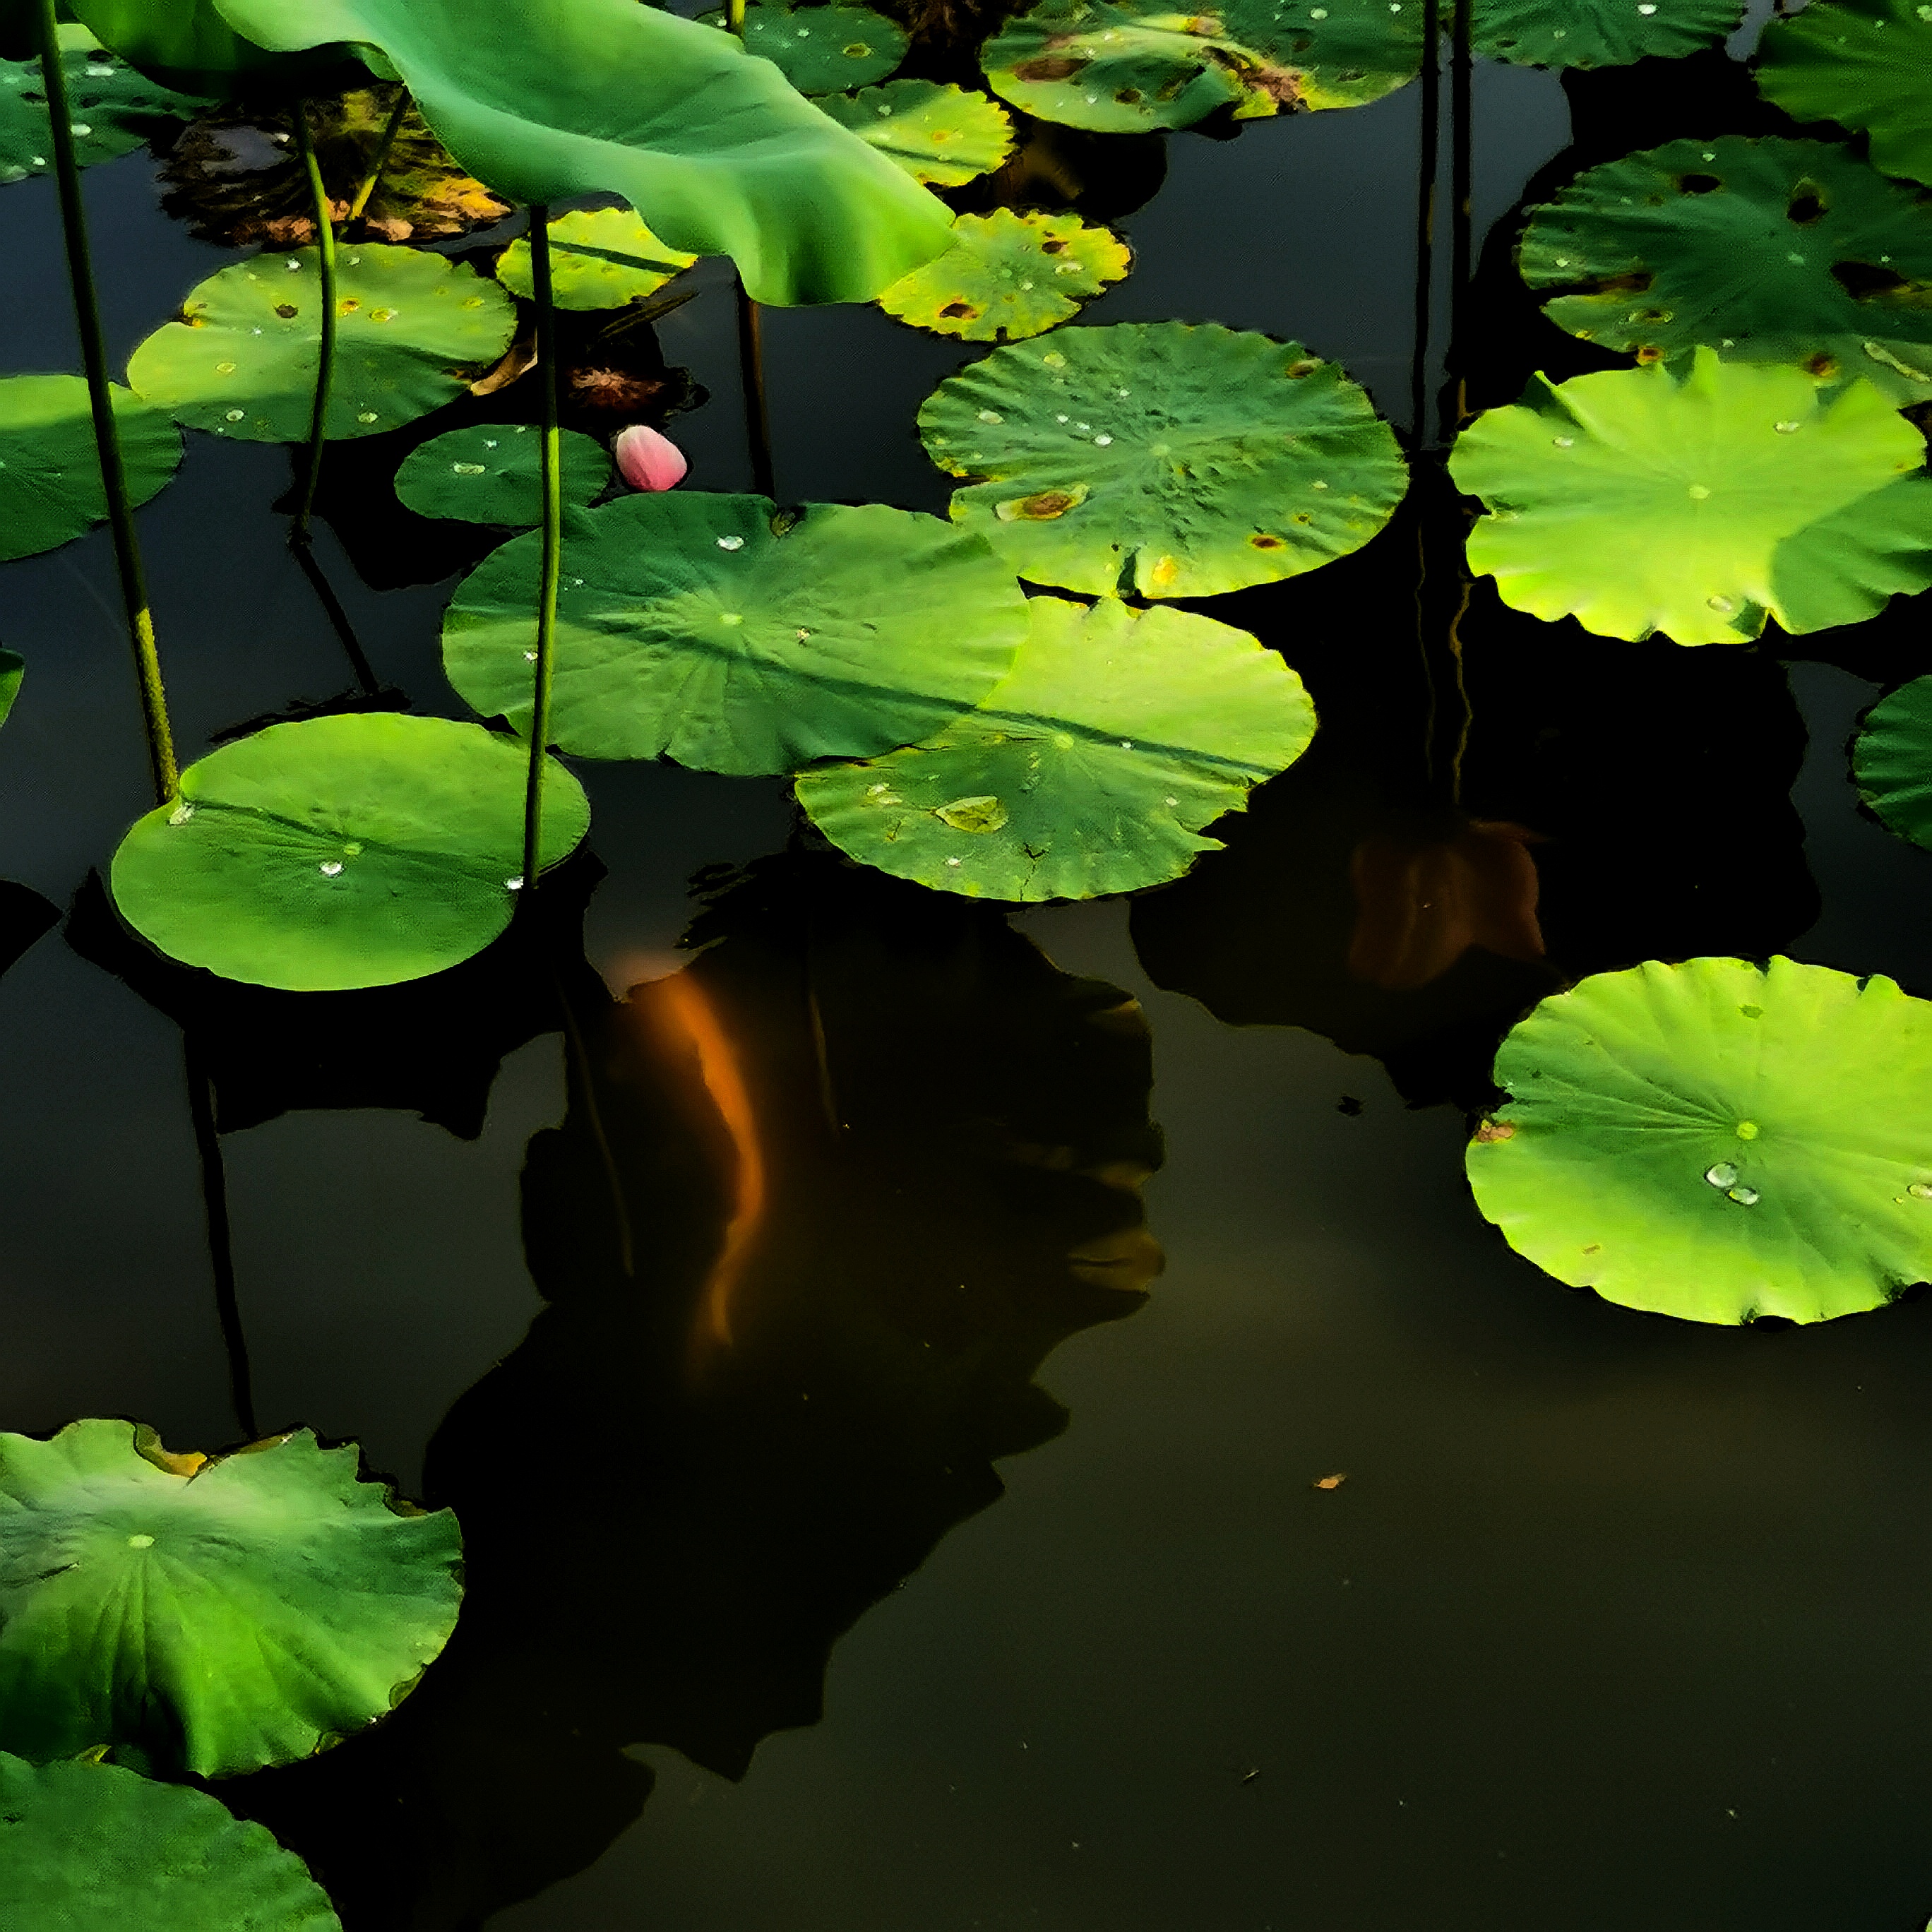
(1009, 276)
(208, 1615)
(822, 49)
(1598, 33)
(412, 329)
(1862, 64)
(1769, 250)
(492, 473)
(1639, 503)
(599, 258)
(1173, 460)
(1090, 769)
(50, 487)
(114, 108)
(1718, 1140)
(937, 133)
(1891, 760)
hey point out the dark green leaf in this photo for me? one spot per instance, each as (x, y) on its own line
(50, 489)
(1862, 64)
(1891, 760)
(492, 473)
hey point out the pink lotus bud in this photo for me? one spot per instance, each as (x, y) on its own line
(646, 460)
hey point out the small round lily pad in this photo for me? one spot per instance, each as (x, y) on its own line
(50, 487)
(734, 636)
(1599, 33)
(412, 330)
(1891, 760)
(113, 108)
(89, 1847)
(1718, 1140)
(492, 473)
(337, 852)
(208, 1615)
(945, 135)
(1862, 64)
(1009, 276)
(822, 49)
(1090, 769)
(599, 258)
(1181, 461)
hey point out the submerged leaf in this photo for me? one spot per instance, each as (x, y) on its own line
(1718, 1140)
(600, 258)
(1422, 903)
(1009, 276)
(114, 109)
(1862, 64)
(938, 134)
(492, 473)
(1090, 769)
(1599, 33)
(820, 49)
(50, 488)
(1891, 760)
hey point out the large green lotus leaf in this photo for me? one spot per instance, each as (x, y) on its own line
(550, 99)
(1090, 769)
(1770, 251)
(1598, 33)
(89, 1847)
(1718, 1140)
(1636, 503)
(492, 473)
(600, 258)
(50, 488)
(1891, 760)
(114, 108)
(186, 44)
(412, 329)
(735, 638)
(1009, 276)
(1180, 460)
(937, 133)
(208, 1615)
(12, 669)
(822, 49)
(1862, 64)
(1124, 66)
(340, 852)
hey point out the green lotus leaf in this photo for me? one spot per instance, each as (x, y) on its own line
(1120, 67)
(1862, 64)
(1091, 768)
(1599, 33)
(114, 108)
(1009, 276)
(1718, 1140)
(88, 1847)
(412, 329)
(821, 49)
(50, 489)
(551, 99)
(1636, 503)
(1178, 460)
(12, 669)
(735, 638)
(340, 852)
(600, 258)
(1770, 250)
(939, 133)
(187, 43)
(208, 1616)
(1891, 760)
(492, 473)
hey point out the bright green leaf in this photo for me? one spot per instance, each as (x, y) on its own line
(50, 490)
(339, 852)
(1184, 460)
(1891, 760)
(600, 258)
(942, 134)
(821, 49)
(1009, 276)
(1717, 1141)
(1862, 64)
(187, 43)
(1598, 33)
(492, 473)
(12, 669)
(114, 109)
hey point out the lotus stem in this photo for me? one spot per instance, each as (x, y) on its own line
(734, 17)
(1461, 165)
(552, 543)
(100, 395)
(325, 371)
(1430, 142)
(392, 128)
(751, 345)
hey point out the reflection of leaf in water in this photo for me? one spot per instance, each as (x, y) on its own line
(1421, 904)
(1862, 64)
(114, 108)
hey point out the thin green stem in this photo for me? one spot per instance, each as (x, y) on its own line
(391, 130)
(734, 17)
(100, 395)
(552, 543)
(1430, 134)
(1462, 189)
(325, 368)
(751, 345)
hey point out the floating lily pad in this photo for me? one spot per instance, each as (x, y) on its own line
(12, 669)
(114, 109)
(1862, 64)
(87, 1847)
(1770, 250)
(1009, 276)
(412, 329)
(1599, 33)
(734, 637)
(50, 489)
(1091, 768)
(1181, 461)
(208, 1616)
(599, 258)
(1636, 503)
(822, 49)
(1891, 760)
(939, 133)
(360, 850)
(1718, 1140)
(492, 473)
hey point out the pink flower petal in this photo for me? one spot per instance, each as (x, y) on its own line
(647, 460)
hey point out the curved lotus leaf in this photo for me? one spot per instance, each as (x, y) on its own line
(1862, 64)
(600, 258)
(50, 488)
(1009, 276)
(340, 852)
(411, 329)
(1891, 760)
(12, 669)
(1718, 1140)
(1182, 460)
(187, 43)
(821, 49)
(208, 1615)
(1637, 504)
(551, 99)
(1771, 251)
(937, 133)
(1599, 33)
(492, 473)
(734, 637)
(114, 108)
(1124, 66)
(1089, 769)
(89, 1847)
